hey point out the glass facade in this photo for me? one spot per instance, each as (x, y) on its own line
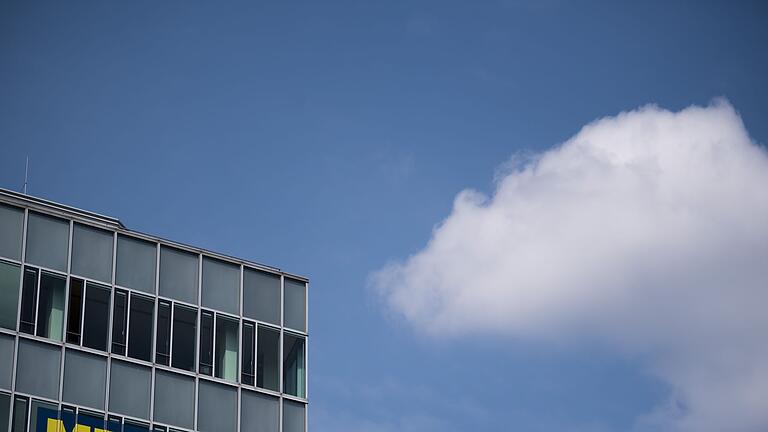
(129, 332)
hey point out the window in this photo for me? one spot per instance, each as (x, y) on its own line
(259, 412)
(40, 374)
(50, 306)
(7, 347)
(293, 366)
(96, 323)
(129, 386)
(140, 328)
(163, 340)
(74, 311)
(206, 343)
(19, 414)
(119, 322)
(226, 348)
(221, 286)
(35, 406)
(174, 399)
(11, 227)
(248, 366)
(261, 296)
(9, 294)
(5, 411)
(295, 304)
(184, 328)
(178, 274)
(136, 264)
(85, 377)
(268, 359)
(47, 241)
(28, 301)
(216, 407)
(92, 252)
(294, 416)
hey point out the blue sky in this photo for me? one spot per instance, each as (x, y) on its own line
(329, 138)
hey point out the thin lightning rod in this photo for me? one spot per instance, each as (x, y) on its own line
(26, 175)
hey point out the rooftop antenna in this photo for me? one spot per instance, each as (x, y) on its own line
(26, 175)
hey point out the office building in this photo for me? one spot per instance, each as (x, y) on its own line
(104, 328)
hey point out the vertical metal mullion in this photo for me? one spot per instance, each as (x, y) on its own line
(16, 339)
(128, 299)
(82, 312)
(170, 335)
(199, 324)
(37, 302)
(280, 348)
(240, 353)
(110, 321)
(154, 331)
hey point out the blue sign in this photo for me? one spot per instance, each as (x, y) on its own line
(49, 420)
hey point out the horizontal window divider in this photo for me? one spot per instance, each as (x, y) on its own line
(218, 380)
(46, 269)
(10, 261)
(28, 336)
(295, 398)
(84, 349)
(175, 370)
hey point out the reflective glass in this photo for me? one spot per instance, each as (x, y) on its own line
(226, 349)
(136, 263)
(92, 252)
(11, 227)
(140, 328)
(19, 414)
(33, 412)
(294, 373)
(7, 344)
(261, 296)
(184, 334)
(9, 294)
(129, 389)
(5, 411)
(268, 359)
(221, 286)
(206, 343)
(119, 322)
(216, 407)
(163, 338)
(28, 301)
(248, 357)
(50, 306)
(259, 412)
(85, 378)
(96, 324)
(74, 310)
(294, 416)
(174, 399)
(178, 275)
(37, 369)
(295, 305)
(47, 241)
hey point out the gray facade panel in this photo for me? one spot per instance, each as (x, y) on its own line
(261, 296)
(7, 344)
(9, 294)
(216, 408)
(85, 378)
(174, 399)
(294, 416)
(295, 298)
(129, 389)
(47, 241)
(136, 264)
(259, 412)
(221, 286)
(37, 370)
(178, 275)
(11, 231)
(92, 253)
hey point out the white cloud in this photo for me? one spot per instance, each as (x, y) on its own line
(648, 231)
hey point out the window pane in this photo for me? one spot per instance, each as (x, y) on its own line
(50, 309)
(119, 321)
(261, 296)
(96, 317)
(295, 304)
(92, 252)
(247, 367)
(221, 286)
(9, 294)
(163, 340)
(216, 408)
(85, 378)
(37, 369)
(11, 226)
(206, 343)
(174, 399)
(92, 420)
(28, 301)
(178, 275)
(7, 344)
(293, 366)
(226, 349)
(136, 262)
(294, 415)
(41, 409)
(47, 241)
(74, 310)
(259, 412)
(184, 328)
(268, 359)
(140, 330)
(19, 414)
(129, 389)
(5, 411)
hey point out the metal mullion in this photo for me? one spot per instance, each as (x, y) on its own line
(128, 298)
(110, 321)
(213, 345)
(306, 351)
(152, 395)
(240, 351)
(82, 313)
(282, 332)
(170, 336)
(21, 267)
(37, 302)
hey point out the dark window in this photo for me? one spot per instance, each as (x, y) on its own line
(294, 374)
(96, 317)
(28, 301)
(119, 320)
(247, 367)
(140, 328)
(184, 327)
(163, 342)
(50, 306)
(268, 359)
(19, 415)
(206, 343)
(74, 310)
(226, 349)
